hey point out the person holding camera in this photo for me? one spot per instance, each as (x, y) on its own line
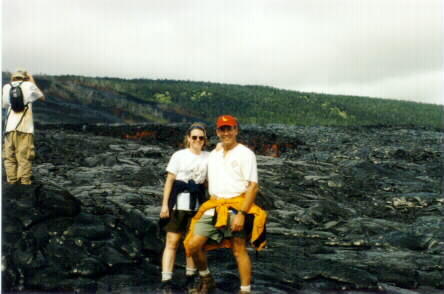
(18, 147)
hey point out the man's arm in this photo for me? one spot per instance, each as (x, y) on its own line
(30, 78)
(250, 198)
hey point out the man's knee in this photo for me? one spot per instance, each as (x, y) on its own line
(239, 247)
(10, 164)
(196, 243)
(9, 153)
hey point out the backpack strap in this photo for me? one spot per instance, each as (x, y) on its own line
(21, 82)
(24, 113)
(10, 83)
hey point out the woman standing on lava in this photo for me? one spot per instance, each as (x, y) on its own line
(183, 193)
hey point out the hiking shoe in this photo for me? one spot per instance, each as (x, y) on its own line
(191, 282)
(193, 288)
(207, 284)
(203, 285)
(166, 287)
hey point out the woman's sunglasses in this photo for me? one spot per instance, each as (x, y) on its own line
(201, 138)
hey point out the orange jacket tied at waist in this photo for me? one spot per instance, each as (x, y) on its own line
(222, 206)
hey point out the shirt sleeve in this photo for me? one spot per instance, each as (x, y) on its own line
(249, 168)
(34, 92)
(173, 164)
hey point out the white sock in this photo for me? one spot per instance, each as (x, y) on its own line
(190, 271)
(204, 272)
(245, 288)
(167, 276)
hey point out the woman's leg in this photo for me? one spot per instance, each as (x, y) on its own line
(169, 254)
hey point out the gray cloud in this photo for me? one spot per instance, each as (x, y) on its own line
(379, 48)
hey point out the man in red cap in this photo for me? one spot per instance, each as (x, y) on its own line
(233, 184)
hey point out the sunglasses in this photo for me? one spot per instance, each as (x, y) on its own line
(201, 138)
(226, 128)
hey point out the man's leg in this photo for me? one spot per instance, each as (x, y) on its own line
(10, 162)
(195, 247)
(243, 260)
(25, 155)
(199, 255)
(190, 264)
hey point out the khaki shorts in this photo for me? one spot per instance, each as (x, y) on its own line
(205, 227)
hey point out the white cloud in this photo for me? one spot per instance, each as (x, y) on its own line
(425, 87)
(364, 47)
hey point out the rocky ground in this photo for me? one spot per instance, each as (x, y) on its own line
(351, 210)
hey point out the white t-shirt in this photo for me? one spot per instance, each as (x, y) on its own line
(30, 94)
(186, 165)
(229, 176)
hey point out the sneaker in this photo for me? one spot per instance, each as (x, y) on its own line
(203, 285)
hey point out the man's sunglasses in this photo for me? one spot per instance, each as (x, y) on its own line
(226, 128)
(201, 138)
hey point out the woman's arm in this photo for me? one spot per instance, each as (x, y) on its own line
(164, 211)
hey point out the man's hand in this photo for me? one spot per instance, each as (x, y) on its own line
(238, 222)
(164, 212)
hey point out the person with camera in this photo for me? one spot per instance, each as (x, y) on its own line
(18, 147)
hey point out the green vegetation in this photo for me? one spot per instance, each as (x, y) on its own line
(256, 104)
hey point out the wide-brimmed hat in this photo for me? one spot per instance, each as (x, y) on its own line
(20, 74)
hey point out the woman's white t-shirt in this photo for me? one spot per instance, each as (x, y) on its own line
(186, 165)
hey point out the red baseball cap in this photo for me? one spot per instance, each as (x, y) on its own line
(226, 120)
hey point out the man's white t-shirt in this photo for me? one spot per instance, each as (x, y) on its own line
(229, 176)
(30, 94)
(186, 165)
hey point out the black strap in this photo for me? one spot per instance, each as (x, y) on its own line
(18, 84)
(20, 121)
(7, 115)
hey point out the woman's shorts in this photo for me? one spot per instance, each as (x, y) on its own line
(179, 221)
(205, 227)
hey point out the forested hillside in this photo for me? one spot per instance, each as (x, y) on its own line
(91, 99)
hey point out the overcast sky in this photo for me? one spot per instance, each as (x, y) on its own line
(377, 48)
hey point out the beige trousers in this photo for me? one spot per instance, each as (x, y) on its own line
(18, 153)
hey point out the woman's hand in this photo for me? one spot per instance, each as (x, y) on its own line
(164, 212)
